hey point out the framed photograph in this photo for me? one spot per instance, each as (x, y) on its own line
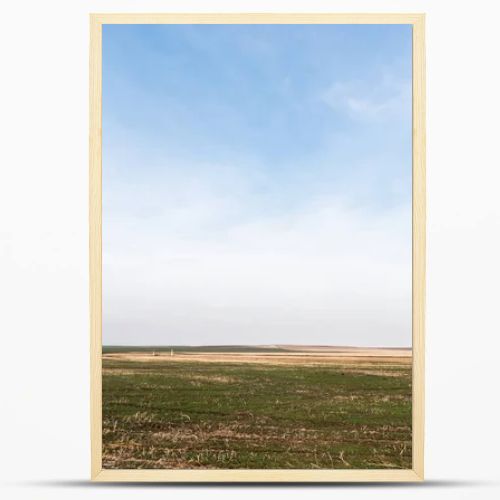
(257, 247)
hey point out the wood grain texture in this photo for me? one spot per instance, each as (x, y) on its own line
(418, 221)
(419, 249)
(266, 476)
(256, 18)
(95, 240)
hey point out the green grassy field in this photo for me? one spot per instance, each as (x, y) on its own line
(183, 414)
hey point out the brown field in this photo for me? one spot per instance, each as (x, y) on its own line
(297, 355)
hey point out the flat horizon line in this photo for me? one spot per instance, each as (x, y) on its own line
(338, 346)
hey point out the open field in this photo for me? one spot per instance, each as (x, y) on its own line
(256, 407)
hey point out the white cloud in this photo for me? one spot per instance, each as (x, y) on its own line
(389, 99)
(180, 269)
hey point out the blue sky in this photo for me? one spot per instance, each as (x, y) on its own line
(237, 152)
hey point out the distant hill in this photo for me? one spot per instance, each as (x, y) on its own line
(248, 348)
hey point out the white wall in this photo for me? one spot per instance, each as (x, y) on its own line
(44, 259)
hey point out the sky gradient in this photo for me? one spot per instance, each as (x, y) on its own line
(257, 184)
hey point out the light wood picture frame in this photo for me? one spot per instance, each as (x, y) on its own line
(416, 473)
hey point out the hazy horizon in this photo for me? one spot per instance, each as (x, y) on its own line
(261, 345)
(257, 185)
